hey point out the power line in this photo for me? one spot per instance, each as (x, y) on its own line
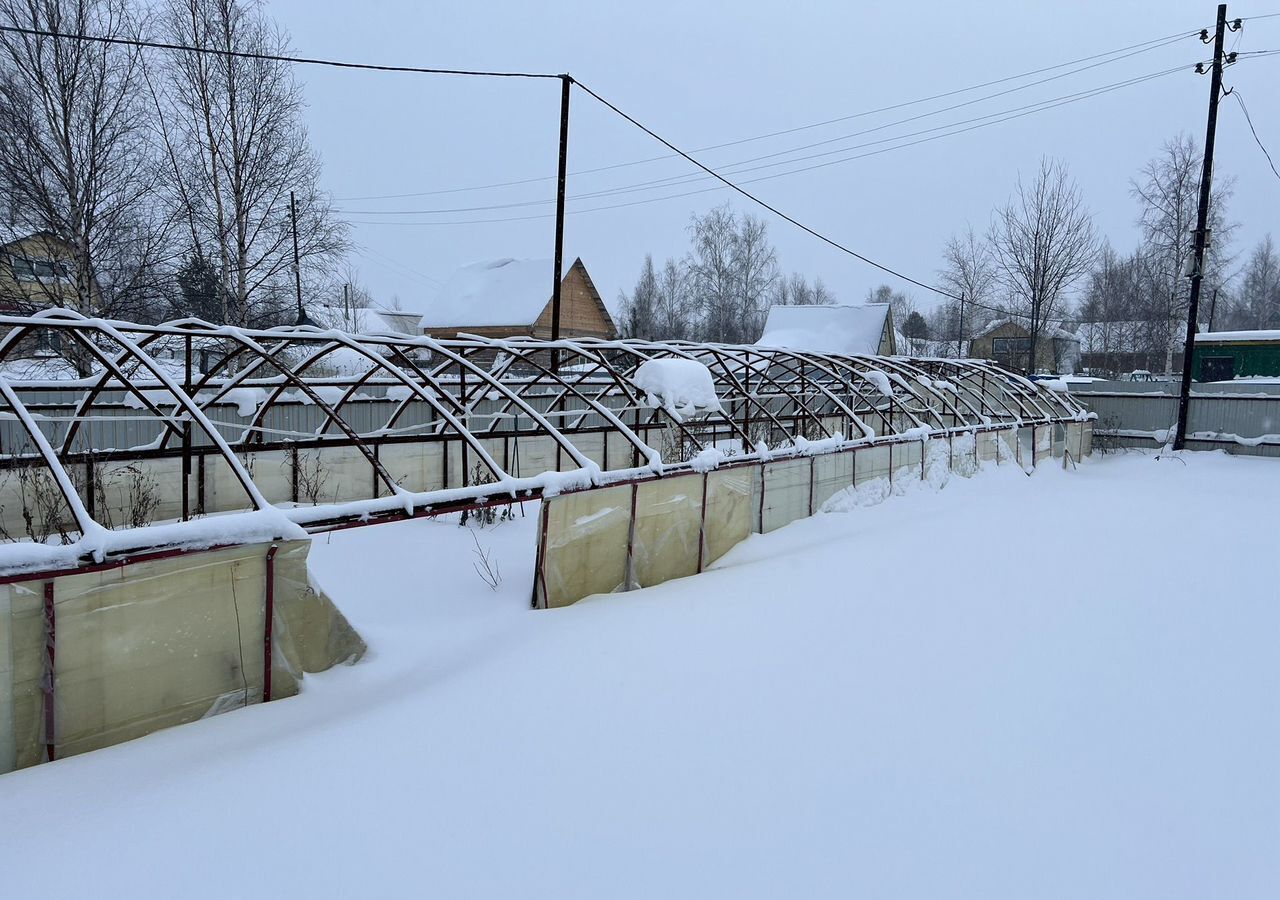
(267, 57)
(741, 166)
(1236, 93)
(754, 199)
(1153, 44)
(1015, 115)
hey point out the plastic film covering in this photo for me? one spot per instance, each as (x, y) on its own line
(1044, 444)
(311, 633)
(908, 460)
(586, 537)
(870, 463)
(22, 668)
(1007, 445)
(730, 512)
(786, 493)
(988, 445)
(832, 473)
(157, 643)
(668, 523)
(964, 454)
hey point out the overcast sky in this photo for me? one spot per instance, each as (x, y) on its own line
(706, 73)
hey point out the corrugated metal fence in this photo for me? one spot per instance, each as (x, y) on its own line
(1239, 418)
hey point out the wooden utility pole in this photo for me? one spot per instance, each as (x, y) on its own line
(960, 330)
(558, 262)
(1202, 221)
(297, 267)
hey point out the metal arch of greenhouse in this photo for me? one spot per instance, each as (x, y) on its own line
(468, 394)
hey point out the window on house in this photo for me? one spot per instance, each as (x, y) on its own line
(32, 268)
(48, 343)
(1010, 346)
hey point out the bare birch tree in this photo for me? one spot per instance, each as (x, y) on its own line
(969, 270)
(77, 167)
(1044, 241)
(237, 147)
(1168, 195)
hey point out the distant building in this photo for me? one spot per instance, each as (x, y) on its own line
(38, 271)
(849, 330)
(512, 298)
(1114, 348)
(1008, 343)
(366, 319)
(1224, 355)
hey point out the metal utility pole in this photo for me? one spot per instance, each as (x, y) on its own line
(1202, 219)
(558, 263)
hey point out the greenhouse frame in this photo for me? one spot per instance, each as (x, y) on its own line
(168, 445)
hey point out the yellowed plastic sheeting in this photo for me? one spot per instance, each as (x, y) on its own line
(786, 493)
(730, 511)
(157, 643)
(832, 473)
(586, 544)
(668, 522)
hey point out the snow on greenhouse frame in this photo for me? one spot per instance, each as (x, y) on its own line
(141, 443)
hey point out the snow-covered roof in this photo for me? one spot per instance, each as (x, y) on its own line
(826, 329)
(1052, 329)
(492, 292)
(1233, 337)
(366, 319)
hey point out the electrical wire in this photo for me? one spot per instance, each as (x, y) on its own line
(268, 57)
(1153, 44)
(741, 166)
(1235, 92)
(754, 199)
(718, 187)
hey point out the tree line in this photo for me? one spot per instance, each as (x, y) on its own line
(720, 290)
(1040, 262)
(158, 185)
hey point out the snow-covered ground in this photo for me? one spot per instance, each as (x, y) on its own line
(1012, 688)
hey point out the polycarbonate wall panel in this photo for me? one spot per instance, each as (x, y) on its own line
(1007, 445)
(668, 522)
(731, 510)
(832, 473)
(585, 544)
(786, 493)
(1087, 428)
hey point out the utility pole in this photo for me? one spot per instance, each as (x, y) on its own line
(558, 263)
(960, 330)
(1202, 218)
(297, 267)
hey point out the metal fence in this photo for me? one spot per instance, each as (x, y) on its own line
(1241, 419)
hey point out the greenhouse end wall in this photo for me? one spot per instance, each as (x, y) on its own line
(622, 537)
(94, 657)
